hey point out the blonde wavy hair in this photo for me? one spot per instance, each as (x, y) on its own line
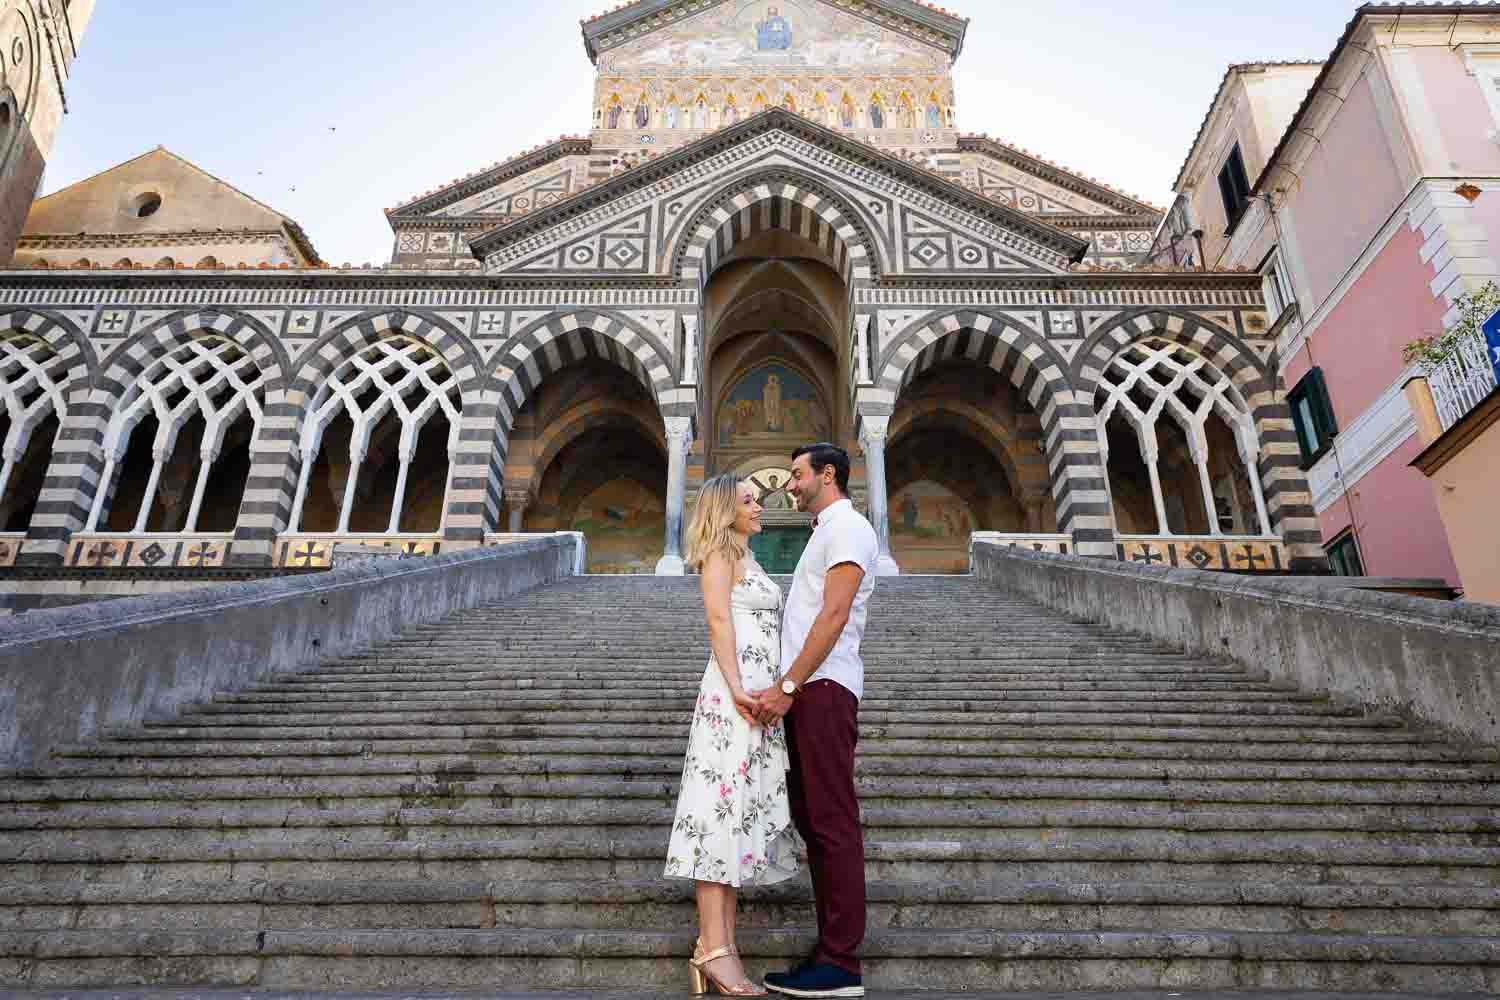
(712, 529)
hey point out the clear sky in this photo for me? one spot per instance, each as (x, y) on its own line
(332, 110)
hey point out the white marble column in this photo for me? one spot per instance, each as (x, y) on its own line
(679, 444)
(872, 435)
(516, 502)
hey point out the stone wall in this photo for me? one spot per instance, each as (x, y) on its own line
(70, 675)
(1435, 662)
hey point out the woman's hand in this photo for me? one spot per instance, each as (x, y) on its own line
(745, 704)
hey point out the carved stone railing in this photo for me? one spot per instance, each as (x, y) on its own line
(1221, 553)
(311, 550)
(100, 550)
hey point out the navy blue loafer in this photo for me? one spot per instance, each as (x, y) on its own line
(816, 980)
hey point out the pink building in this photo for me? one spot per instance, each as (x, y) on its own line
(1366, 190)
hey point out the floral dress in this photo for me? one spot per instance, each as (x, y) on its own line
(734, 824)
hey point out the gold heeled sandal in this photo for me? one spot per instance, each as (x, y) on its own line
(702, 978)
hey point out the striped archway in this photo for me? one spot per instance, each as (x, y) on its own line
(1024, 357)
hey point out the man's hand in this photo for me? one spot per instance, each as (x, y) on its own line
(772, 706)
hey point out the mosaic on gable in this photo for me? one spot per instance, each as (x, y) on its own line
(764, 35)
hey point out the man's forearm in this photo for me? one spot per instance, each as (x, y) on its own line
(821, 639)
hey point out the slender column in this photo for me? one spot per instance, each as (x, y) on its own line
(679, 443)
(399, 500)
(7, 469)
(1210, 505)
(207, 460)
(1152, 469)
(356, 461)
(1250, 455)
(516, 502)
(149, 500)
(872, 435)
(106, 484)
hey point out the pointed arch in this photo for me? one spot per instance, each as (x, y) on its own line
(770, 199)
(1031, 364)
(1283, 482)
(217, 364)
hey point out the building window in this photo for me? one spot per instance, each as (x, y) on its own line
(1278, 287)
(1343, 555)
(1234, 185)
(1312, 413)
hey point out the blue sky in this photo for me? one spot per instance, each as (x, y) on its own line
(331, 110)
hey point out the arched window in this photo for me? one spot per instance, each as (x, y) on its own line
(166, 262)
(199, 390)
(402, 379)
(1188, 417)
(209, 262)
(124, 262)
(83, 263)
(33, 390)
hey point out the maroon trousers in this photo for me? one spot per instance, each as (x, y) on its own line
(822, 729)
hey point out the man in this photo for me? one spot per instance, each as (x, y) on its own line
(822, 626)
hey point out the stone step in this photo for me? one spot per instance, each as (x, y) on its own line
(617, 675)
(623, 904)
(546, 689)
(580, 958)
(405, 790)
(666, 761)
(1091, 725)
(959, 821)
(1068, 856)
(669, 712)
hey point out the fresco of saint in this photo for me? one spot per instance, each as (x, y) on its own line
(774, 34)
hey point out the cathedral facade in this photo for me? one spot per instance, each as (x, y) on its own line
(773, 233)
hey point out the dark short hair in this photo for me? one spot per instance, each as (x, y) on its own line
(821, 456)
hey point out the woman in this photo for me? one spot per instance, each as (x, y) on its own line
(734, 824)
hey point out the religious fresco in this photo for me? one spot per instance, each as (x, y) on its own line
(775, 35)
(625, 525)
(771, 410)
(930, 529)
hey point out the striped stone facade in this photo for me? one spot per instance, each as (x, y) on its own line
(932, 274)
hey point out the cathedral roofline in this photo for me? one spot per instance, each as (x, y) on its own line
(924, 22)
(1062, 176)
(1042, 233)
(460, 188)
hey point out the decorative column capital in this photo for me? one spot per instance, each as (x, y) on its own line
(518, 496)
(873, 432)
(680, 433)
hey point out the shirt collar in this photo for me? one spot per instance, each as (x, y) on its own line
(830, 510)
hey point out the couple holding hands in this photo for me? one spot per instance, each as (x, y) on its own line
(774, 731)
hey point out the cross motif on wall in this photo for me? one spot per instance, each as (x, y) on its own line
(491, 323)
(113, 322)
(307, 555)
(1250, 559)
(102, 553)
(202, 555)
(1148, 556)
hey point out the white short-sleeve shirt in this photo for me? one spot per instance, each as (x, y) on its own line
(840, 535)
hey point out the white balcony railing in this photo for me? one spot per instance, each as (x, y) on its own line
(1462, 380)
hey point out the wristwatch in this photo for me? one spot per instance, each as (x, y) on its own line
(789, 688)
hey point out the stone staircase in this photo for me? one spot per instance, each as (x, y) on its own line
(485, 803)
